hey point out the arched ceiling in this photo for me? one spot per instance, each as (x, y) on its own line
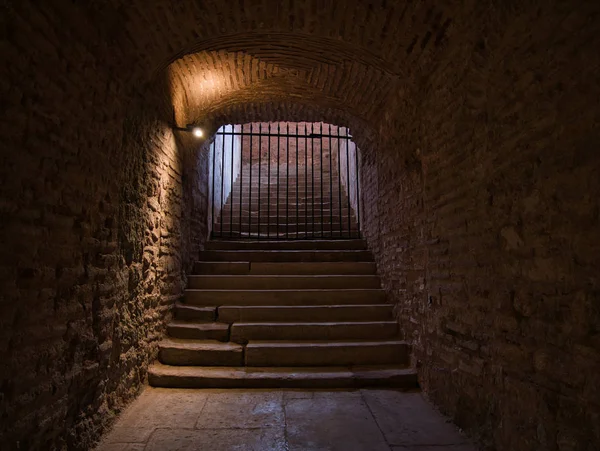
(222, 58)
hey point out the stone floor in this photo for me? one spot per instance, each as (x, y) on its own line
(264, 420)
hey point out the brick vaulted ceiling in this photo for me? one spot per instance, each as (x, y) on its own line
(241, 60)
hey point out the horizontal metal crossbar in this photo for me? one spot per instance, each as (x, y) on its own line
(284, 135)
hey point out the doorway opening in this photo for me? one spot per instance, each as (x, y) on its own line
(284, 180)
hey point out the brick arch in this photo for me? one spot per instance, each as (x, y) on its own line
(278, 109)
(209, 81)
(348, 56)
(379, 31)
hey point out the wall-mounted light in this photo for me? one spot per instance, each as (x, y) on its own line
(194, 129)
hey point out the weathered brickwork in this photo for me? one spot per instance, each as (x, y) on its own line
(487, 233)
(478, 123)
(101, 215)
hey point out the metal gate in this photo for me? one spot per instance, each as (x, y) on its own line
(284, 181)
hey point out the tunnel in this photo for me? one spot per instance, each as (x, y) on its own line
(478, 164)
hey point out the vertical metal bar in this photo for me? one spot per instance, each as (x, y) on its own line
(297, 181)
(339, 179)
(330, 186)
(250, 186)
(241, 176)
(214, 151)
(321, 171)
(259, 174)
(348, 184)
(305, 180)
(357, 193)
(278, 148)
(222, 180)
(312, 176)
(269, 184)
(232, 193)
(287, 179)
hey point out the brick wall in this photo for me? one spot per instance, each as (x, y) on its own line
(481, 204)
(101, 214)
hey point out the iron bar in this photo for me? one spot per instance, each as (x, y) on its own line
(269, 185)
(231, 190)
(214, 151)
(348, 187)
(297, 141)
(357, 192)
(222, 183)
(259, 175)
(330, 186)
(312, 176)
(321, 173)
(250, 188)
(305, 180)
(287, 180)
(241, 181)
(278, 148)
(339, 157)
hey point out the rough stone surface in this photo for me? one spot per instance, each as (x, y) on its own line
(480, 174)
(295, 420)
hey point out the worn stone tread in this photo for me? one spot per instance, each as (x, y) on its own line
(160, 375)
(281, 245)
(284, 313)
(199, 345)
(325, 352)
(198, 329)
(254, 281)
(286, 255)
(285, 297)
(320, 330)
(194, 312)
(285, 268)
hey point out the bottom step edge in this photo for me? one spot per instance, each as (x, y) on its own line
(166, 376)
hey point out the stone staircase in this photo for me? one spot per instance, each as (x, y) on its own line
(306, 203)
(277, 314)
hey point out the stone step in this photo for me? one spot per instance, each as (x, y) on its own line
(272, 205)
(326, 353)
(330, 197)
(312, 313)
(287, 245)
(273, 218)
(285, 297)
(282, 228)
(281, 282)
(317, 234)
(302, 179)
(284, 268)
(354, 330)
(306, 197)
(175, 351)
(287, 255)
(193, 312)
(290, 221)
(160, 375)
(304, 214)
(198, 330)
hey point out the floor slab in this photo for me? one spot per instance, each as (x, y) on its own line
(164, 419)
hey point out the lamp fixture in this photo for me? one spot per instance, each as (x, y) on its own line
(191, 128)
